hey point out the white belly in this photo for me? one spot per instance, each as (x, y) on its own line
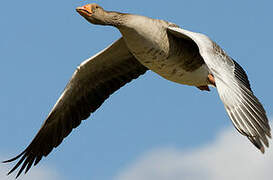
(198, 77)
(171, 68)
(175, 73)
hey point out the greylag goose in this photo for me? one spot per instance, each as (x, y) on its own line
(176, 54)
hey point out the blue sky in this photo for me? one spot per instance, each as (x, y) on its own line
(43, 42)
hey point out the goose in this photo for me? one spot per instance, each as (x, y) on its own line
(176, 54)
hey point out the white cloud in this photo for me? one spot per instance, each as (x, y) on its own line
(230, 156)
(37, 173)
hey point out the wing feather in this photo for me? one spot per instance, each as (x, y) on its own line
(242, 106)
(91, 84)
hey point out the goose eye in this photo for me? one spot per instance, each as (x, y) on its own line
(95, 8)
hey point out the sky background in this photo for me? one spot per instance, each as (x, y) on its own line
(150, 129)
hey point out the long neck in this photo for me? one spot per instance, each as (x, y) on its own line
(114, 18)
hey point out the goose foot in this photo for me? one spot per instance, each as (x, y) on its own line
(211, 79)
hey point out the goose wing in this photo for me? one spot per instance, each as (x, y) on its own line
(244, 109)
(91, 84)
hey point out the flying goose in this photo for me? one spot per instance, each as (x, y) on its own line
(176, 54)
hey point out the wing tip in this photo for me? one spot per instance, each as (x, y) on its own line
(18, 163)
(262, 150)
(257, 143)
(13, 159)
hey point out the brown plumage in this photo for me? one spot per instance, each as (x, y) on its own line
(92, 83)
(174, 53)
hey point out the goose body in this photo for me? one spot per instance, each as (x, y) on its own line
(176, 54)
(150, 43)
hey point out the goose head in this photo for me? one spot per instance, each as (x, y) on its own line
(95, 14)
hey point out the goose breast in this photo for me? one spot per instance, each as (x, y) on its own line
(174, 59)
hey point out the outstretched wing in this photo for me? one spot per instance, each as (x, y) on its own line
(91, 84)
(243, 108)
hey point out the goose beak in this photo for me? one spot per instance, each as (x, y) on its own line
(84, 10)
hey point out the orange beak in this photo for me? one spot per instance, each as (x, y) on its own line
(85, 10)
